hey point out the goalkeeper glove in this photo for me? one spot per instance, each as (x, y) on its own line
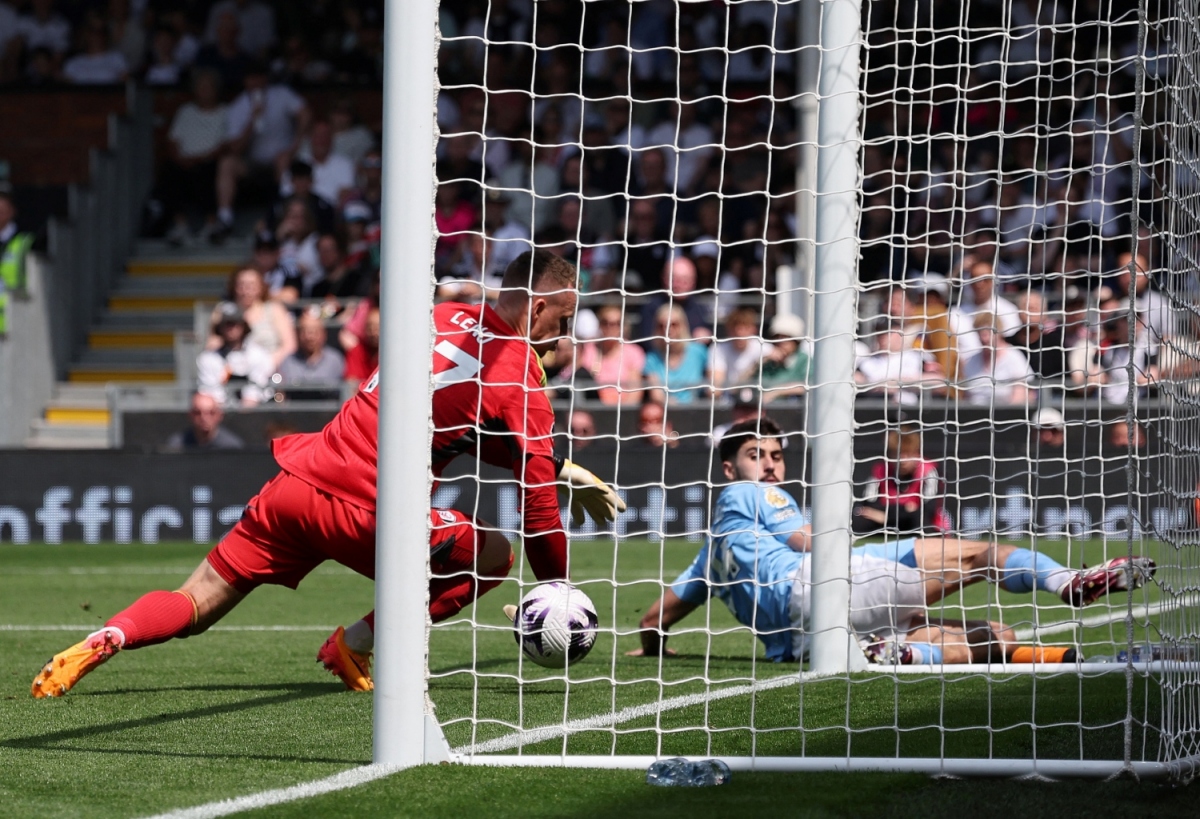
(588, 493)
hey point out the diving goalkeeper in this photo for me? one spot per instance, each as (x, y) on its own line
(755, 561)
(488, 401)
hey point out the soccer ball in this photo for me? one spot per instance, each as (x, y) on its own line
(556, 625)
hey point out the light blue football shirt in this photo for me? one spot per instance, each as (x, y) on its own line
(747, 564)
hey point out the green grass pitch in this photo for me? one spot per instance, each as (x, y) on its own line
(236, 711)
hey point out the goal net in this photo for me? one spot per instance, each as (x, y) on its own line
(949, 251)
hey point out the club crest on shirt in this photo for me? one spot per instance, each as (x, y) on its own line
(775, 498)
(447, 517)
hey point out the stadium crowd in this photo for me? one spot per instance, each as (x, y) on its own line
(1011, 203)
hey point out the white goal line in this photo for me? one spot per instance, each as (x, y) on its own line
(529, 736)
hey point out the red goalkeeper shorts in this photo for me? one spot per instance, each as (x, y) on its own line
(290, 527)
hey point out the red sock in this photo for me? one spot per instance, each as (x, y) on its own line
(155, 618)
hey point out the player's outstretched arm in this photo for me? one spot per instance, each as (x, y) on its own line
(664, 613)
(801, 539)
(588, 493)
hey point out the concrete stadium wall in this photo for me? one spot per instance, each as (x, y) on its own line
(27, 362)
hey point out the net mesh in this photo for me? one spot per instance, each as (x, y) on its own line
(1026, 360)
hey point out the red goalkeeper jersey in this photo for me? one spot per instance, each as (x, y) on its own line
(488, 401)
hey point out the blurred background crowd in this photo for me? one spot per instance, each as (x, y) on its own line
(1013, 187)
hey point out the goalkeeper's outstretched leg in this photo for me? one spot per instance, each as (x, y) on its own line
(154, 618)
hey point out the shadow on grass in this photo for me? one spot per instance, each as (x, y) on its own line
(288, 693)
(321, 687)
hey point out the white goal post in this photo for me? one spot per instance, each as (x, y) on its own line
(984, 221)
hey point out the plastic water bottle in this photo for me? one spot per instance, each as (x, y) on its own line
(1148, 652)
(682, 773)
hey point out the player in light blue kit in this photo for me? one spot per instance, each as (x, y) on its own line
(756, 562)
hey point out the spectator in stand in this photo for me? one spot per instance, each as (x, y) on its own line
(352, 332)
(264, 123)
(297, 235)
(256, 25)
(897, 370)
(997, 374)
(676, 366)
(682, 290)
(300, 176)
(747, 404)
(564, 379)
(356, 216)
(504, 239)
(194, 142)
(351, 138)
(234, 368)
(651, 184)
(205, 431)
(269, 322)
(705, 254)
(1099, 363)
(362, 63)
(615, 363)
(338, 279)
(454, 217)
(182, 25)
(98, 63)
(983, 246)
(165, 68)
(646, 250)
(532, 183)
(942, 331)
(333, 175)
(127, 33)
(905, 493)
(985, 299)
(314, 364)
(1040, 338)
(223, 54)
(298, 65)
(43, 29)
(1155, 312)
(689, 142)
(1051, 431)
(736, 361)
(1123, 436)
(785, 367)
(281, 275)
(583, 429)
(363, 358)
(370, 182)
(654, 430)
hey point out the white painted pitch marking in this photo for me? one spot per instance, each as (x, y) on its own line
(531, 735)
(338, 782)
(1105, 619)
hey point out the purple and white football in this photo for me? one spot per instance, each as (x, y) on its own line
(556, 625)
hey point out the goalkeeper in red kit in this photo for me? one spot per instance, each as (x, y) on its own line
(488, 401)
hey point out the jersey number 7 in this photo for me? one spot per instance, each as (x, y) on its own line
(466, 366)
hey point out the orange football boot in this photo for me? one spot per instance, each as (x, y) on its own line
(352, 668)
(69, 667)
